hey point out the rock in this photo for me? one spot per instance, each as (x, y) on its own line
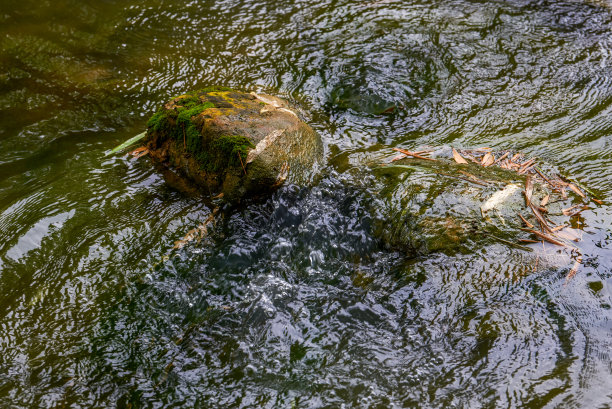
(426, 207)
(232, 142)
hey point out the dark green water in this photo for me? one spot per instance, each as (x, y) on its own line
(292, 302)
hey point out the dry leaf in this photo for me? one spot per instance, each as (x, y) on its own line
(141, 154)
(458, 158)
(544, 201)
(568, 235)
(576, 190)
(598, 201)
(138, 150)
(487, 160)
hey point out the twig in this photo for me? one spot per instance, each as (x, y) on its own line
(547, 238)
(526, 222)
(504, 156)
(542, 174)
(413, 154)
(243, 168)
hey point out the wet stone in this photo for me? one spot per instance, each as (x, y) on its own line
(239, 144)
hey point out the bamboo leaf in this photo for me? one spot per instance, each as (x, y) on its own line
(127, 143)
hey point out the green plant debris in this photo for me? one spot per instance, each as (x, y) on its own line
(127, 143)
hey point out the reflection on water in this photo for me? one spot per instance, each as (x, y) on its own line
(292, 302)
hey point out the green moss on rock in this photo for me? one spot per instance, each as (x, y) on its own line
(158, 122)
(225, 152)
(175, 121)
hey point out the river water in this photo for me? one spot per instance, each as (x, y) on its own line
(292, 302)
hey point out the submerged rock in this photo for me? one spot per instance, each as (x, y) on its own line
(231, 142)
(440, 206)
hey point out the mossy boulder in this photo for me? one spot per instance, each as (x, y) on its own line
(232, 142)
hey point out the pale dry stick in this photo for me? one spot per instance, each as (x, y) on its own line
(528, 189)
(567, 211)
(567, 236)
(515, 157)
(563, 226)
(484, 182)
(504, 156)
(403, 155)
(577, 212)
(526, 164)
(416, 155)
(472, 158)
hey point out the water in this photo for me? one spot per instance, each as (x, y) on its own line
(292, 302)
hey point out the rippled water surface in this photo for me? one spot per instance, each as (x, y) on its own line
(293, 302)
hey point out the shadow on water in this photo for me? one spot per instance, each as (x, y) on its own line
(293, 301)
